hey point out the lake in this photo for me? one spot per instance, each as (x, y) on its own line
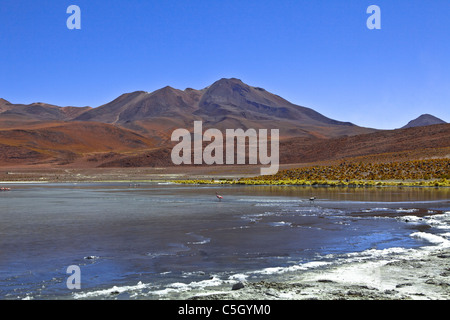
(160, 240)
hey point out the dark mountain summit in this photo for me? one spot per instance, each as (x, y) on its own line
(424, 120)
(232, 97)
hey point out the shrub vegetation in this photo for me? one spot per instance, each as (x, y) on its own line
(432, 172)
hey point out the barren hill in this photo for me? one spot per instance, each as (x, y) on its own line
(39, 111)
(424, 120)
(383, 146)
(62, 143)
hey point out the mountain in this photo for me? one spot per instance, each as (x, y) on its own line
(231, 98)
(424, 120)
(134, 130)
(13, 115)
(227, 103)
(3, 102)
(140, 105)
(153, 114)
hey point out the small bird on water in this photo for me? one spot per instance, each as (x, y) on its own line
(312, 199)
(219, 196)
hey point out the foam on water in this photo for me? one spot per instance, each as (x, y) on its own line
(376, 210)
(280, 224)
(437, 222)
(195, 285)
(304, 266)
(111, 291)
(401, 210)
(431, 238)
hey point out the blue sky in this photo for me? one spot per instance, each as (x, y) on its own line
(318, 54)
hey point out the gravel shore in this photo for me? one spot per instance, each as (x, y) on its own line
(422, 274)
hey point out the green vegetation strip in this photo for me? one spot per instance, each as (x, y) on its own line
(428, 173)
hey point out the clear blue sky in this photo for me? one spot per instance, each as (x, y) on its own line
(318, 54)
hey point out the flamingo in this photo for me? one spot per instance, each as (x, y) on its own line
(219, 196)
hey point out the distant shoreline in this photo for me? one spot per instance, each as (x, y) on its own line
(359, 184)
(294, 175)
(331, 184)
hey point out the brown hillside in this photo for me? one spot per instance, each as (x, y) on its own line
(67, 141)
(383, 143)
(392, 145)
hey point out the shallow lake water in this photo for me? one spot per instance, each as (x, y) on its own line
(153, 240)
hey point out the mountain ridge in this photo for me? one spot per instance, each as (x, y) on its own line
(135, 128)
(227, 103)
(234, 99)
